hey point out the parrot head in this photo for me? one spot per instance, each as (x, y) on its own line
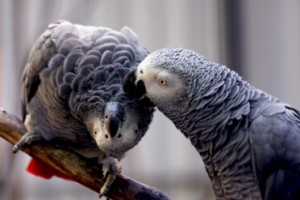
(162, 78)
(120, 126)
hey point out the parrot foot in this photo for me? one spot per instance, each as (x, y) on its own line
(110, 168)
(27, 139)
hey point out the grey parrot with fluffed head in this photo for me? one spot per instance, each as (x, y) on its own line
(249, 140)
(73, 95)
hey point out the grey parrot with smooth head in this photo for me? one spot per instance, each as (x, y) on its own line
(73, 95)
(249, 140)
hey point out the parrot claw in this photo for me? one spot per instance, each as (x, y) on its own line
(111, 168)
(27, 139)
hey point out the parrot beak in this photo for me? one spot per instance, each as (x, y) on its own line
(134, 86)
(114, 115)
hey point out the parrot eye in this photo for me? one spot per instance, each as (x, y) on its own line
(162, 82)
(95, 133)
(141, 71)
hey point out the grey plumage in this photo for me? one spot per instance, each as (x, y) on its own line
(72, 90)
(249, 140)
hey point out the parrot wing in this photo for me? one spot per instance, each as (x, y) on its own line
(43, 50)
(275, 144)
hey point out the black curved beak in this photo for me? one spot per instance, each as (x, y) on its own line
(114, 116)
(133, 87)
(136, 89)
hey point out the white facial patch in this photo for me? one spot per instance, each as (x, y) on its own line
(160, 84)
(125, 139)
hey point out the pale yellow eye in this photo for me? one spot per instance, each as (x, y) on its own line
(162, 82)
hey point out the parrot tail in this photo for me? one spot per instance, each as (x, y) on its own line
(43, 170)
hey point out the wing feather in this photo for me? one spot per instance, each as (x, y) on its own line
(275, 142)
(42, 51)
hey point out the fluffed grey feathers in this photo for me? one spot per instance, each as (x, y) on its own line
(73, 79)
(72, 90)
(248, 140)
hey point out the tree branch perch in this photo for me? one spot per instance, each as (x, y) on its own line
(76, 166)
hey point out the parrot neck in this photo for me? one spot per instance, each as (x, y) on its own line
(225, 100)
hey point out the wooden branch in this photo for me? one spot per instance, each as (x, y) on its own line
(75, 166)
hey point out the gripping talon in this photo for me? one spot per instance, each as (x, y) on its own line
(108, 182)
(27, 139)
(111, 168)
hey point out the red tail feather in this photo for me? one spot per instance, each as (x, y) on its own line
(42, 170)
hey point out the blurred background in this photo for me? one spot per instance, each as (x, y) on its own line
(259, 38)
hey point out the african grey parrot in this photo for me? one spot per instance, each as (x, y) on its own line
(249, 140)
(73, 95)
